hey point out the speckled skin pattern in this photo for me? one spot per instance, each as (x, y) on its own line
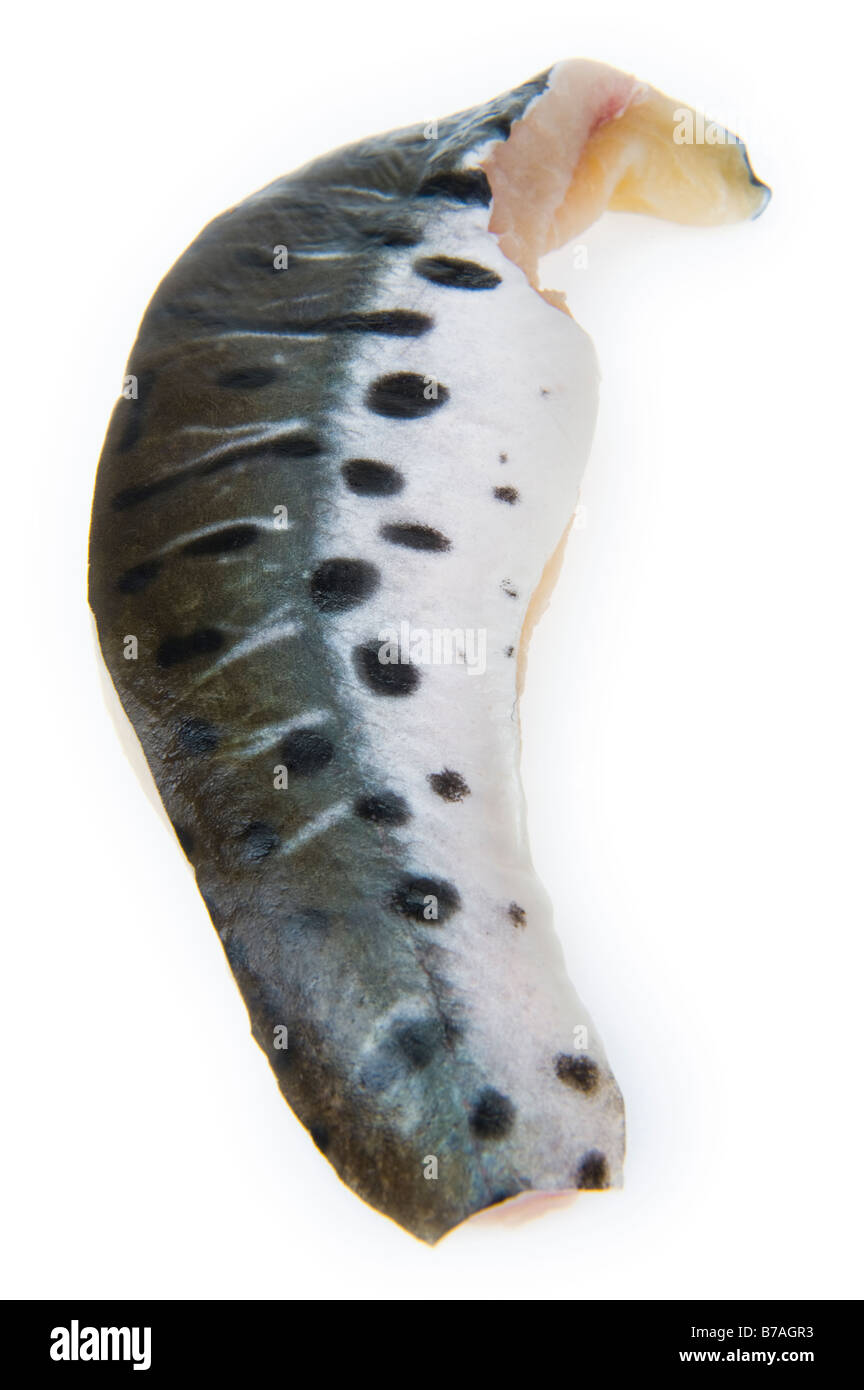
(381, 424)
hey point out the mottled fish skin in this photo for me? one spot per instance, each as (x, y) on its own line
(302, 388)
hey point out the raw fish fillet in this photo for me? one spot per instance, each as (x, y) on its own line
(331, 503)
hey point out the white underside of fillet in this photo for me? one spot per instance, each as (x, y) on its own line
(523, 379)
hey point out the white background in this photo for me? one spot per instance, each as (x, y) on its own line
(693, 759)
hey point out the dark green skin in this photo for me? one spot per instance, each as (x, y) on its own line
(313, 938)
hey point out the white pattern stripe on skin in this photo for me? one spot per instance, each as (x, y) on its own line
(265, 428)
(271, 733)
(314, 827)
(277, 632)
(227, 334)
(325, 255)
(366, 192)
(246, 444)
(264, 523)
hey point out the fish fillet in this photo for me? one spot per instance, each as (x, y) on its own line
(329, 508)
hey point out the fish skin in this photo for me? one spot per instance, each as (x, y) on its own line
(405, 1039)
(378, 1063)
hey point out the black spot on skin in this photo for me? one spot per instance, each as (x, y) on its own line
(518, 915)
(593, 1171)
(461, 275)
(508, 651)
(392, 236)
(462, 185)
(507, 494)
(492, 1115)
(502, 458)
(320, 1137)
(201, 642)
(384, 677)
(138, 577)
(221, 542)
(405, 396)
(418, 1041)
(339, 584)
(305, 752)
(449, 785)
(297, 446)
(197, 736)
(187, 840)
(508, 589)
(392, 323)
(372, 479)
(131, 496)
(414, 536)
(579, 1072)
(382, 808)
(411, 894)
(257, 841)
(248, 378)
